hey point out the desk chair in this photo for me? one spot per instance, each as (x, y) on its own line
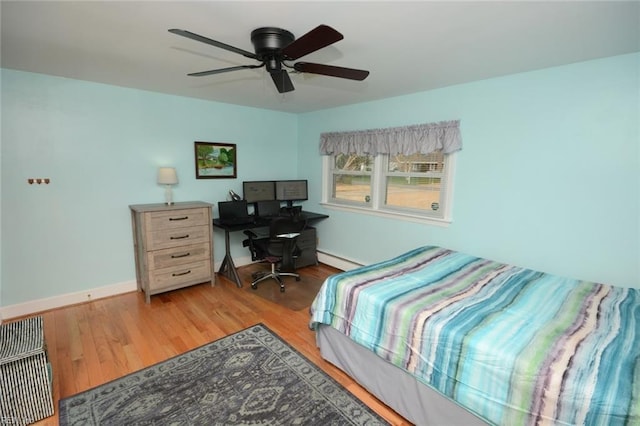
(279, 249)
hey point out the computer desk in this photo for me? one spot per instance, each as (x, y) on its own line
(228, 267)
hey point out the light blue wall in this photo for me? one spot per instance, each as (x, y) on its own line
(549, 176)
(101, 146)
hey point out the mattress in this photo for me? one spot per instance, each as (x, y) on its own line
(512, 345)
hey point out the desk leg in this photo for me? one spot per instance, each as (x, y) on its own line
(227, 267)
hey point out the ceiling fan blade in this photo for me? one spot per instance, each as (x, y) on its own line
(221, 70)
(319, 37)
(341, 72)
(282, 81)
(196, 37)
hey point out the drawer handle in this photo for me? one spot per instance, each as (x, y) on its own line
(179, 218)
(181, 237)
(177, 256)
(181, 273)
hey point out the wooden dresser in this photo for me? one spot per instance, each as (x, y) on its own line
(173, 245)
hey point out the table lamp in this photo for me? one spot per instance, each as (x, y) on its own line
(167, 176)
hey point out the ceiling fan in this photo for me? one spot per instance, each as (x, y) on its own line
(275, 46)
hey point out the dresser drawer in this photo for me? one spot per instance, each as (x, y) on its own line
(172, 219)
(177, 237)
(170, 257)
(190, 273)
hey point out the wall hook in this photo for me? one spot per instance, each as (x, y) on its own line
(31, 181)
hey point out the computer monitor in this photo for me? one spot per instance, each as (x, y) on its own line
(291, 190)
(258, 190)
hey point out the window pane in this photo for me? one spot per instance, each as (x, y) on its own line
(414, 192)
(363, 163)
(418, 163)
(413, 185)
(353, 188)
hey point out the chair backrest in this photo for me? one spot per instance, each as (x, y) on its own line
(285, 225)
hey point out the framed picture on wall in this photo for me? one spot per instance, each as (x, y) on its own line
(215, 160)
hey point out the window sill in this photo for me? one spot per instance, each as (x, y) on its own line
(389, 214)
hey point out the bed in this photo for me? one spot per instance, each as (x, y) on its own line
(443, 337)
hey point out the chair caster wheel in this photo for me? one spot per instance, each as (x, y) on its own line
(253, 286)
(297, 278)
(281, 289)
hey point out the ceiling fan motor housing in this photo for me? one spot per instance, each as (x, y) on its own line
(268, 43)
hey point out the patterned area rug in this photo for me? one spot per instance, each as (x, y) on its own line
(250, 377)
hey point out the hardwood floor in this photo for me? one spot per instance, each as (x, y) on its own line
(98, 341)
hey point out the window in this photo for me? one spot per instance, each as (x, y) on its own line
(399, 171)
(417, 186)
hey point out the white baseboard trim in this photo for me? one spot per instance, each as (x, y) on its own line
(337, 262)
(34, 306)
(54, 302)
(41, 305)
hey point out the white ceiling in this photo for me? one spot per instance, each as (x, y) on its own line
(408, 46)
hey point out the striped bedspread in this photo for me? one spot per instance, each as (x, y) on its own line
(512, 345)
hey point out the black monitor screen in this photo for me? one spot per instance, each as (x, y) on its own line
(291, 190)
(258, 190)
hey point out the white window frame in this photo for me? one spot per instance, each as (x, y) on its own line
(378, 191)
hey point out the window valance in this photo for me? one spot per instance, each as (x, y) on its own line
(408, 140)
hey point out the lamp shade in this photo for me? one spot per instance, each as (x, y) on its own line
(167, 176)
